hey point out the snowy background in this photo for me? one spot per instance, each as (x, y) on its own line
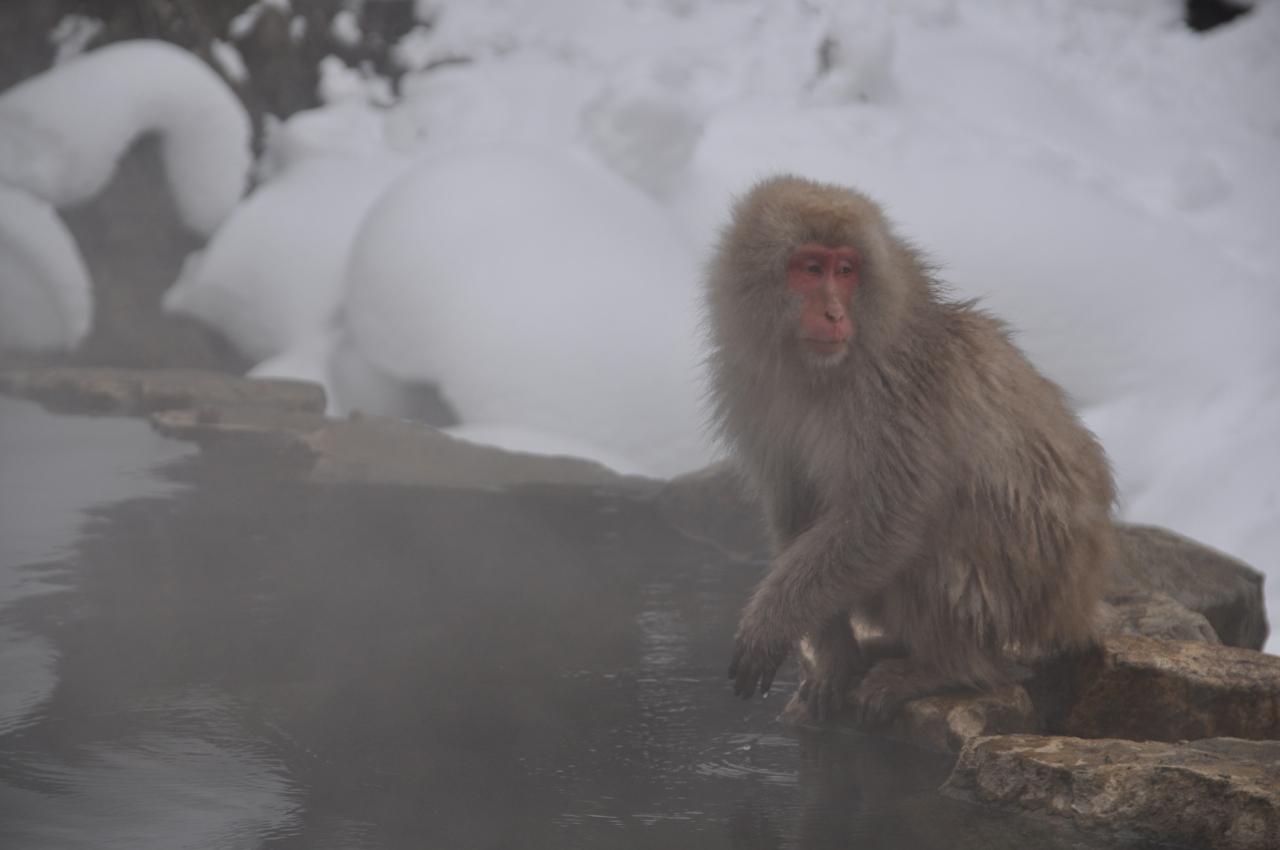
(523, 221)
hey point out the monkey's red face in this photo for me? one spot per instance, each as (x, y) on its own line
(825, 279)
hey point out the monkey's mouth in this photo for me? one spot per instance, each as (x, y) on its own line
(826, 346)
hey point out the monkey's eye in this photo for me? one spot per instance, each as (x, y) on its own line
(813, 268)
(845, 269)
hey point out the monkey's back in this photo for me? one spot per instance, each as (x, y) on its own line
(1020, 549)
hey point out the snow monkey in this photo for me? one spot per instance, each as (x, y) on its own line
(918, 475)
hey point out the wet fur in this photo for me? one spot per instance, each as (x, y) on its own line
(931, 483)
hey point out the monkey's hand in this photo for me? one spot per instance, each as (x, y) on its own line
(757, 655)
(837, 662)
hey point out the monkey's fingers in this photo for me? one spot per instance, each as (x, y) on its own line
(829, 695)
(836, 696)
(766, 677)
(873, 703)
(818, 709)
(816, 704)
(754, 665)
(739, 671)
(745, 685)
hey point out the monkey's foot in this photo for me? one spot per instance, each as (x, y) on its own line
(755, 663)
(837, 664)
(889, 685)
(825, 690)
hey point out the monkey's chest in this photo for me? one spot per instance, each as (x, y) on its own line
(826, 453)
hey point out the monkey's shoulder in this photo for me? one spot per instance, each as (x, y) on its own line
(985, 363)
(1002, 406)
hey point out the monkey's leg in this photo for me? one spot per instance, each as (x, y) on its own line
(840, 660)
(837, 662)
(893, 682)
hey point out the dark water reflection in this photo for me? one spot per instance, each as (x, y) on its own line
(227, 659)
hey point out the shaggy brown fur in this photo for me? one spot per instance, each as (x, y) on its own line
(931, 483)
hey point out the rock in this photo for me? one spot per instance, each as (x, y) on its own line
(1155, 615)
(1226, 591)
(945, 723)
(279, 441)
(377, 450)
(282, 423)
(1210, 793)
(138, 392)
(712, 505)
(1162, 690)
(134, 244)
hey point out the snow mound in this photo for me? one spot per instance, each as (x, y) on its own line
(62, 132)
(540, 292)
(46, 302)
(350, 128)
(644, 127)
(272, 276)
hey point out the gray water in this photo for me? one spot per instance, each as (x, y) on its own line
(200, 653)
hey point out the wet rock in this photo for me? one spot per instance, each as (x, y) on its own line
(1155, 615)
(1209, 793)
(281, 423)
(377, 450)
(945, 723)
(138, 392)
(1131, 687)
(1225, 590)
(1162, 690)
(712, 505)
(134, 244)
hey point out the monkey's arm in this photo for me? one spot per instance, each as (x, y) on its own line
(848, 552)
(789, 513)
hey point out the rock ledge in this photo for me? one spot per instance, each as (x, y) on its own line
(1220, 792)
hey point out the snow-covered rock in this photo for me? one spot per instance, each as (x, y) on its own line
(537, 290)
(45, 298)
(272, 276)
(62, 132)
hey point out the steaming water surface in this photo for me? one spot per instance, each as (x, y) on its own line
(197, 652)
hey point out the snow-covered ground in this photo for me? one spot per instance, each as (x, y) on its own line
(1105, 179)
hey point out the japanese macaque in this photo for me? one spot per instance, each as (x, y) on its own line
(918, 474)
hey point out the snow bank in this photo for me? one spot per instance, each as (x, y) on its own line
(46, 301)
(347, 128)
(272, 276)
(1104, 296)
(63, 131)
(643, 126)
(1203, 461)
(543, 295)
